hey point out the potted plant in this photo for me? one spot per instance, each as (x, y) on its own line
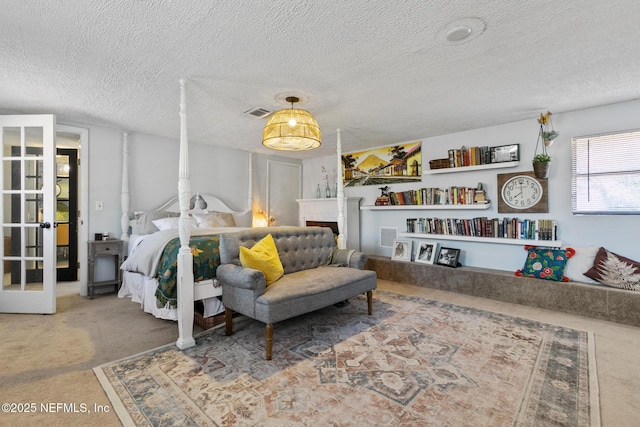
(541, 165)
(548, 136)
(541, 158)
(542, 161)
(547, 132)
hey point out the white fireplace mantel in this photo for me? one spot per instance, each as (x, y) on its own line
(327, 210)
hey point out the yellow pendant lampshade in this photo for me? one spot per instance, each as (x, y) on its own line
(291, 129)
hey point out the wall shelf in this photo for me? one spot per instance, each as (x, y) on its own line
(482, 206)
(495, 240)
(471, 168)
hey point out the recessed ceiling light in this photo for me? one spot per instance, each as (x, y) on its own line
(460, 31)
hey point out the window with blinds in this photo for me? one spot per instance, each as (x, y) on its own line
(605, 174)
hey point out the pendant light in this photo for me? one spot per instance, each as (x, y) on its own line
(291, 129)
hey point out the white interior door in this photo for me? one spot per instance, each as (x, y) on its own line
(28, 214)
(284, 188)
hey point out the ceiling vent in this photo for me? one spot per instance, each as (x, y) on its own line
(257, 113)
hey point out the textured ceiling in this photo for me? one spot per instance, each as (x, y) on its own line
(378, 70)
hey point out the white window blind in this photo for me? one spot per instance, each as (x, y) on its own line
(605, 174)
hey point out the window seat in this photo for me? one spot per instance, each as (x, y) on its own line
(597, 301)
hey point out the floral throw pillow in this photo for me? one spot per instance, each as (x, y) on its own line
(546, 263)
(614, 270)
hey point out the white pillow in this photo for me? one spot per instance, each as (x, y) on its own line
(171, 223)
(143, 223)
(580, 263)
(166, 223)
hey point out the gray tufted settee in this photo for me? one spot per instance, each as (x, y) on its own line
(316, 275)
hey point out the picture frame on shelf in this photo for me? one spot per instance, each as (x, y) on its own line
(448, 257)
(505, 153)
(426, 252)
(401, 250)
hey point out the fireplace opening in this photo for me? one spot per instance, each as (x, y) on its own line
(331, 224)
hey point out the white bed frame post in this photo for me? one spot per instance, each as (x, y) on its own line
(250, 189)
(185, 257)
(340, 194)
(124, 197)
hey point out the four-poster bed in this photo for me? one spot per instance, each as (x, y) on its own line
(187, 289)
(149, 272)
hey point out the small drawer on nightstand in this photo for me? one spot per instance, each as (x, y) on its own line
(106, 247)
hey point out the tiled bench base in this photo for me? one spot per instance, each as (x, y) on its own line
(601, 302)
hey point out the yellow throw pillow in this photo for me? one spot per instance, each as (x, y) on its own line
(263, 256)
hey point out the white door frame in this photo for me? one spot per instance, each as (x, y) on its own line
(83, 205)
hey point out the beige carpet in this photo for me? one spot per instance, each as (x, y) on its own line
(29, 373)
(415, 362)
(48, 359)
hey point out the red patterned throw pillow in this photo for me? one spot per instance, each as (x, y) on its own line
(546, 263)
(614, 270)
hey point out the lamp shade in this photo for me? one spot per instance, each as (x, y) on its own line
(292, 130)
(260, 219)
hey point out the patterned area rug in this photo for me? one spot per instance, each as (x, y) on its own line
(414, 362)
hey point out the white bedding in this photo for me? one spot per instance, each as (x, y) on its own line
(142, 289)
(140, 269)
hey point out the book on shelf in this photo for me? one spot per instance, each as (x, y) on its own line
(472, 156)
(439, 196)
(509, 228)
(382, 201)
(480, 196)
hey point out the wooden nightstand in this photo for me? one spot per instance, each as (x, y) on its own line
(102, 248)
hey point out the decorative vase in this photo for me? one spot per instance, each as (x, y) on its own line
(318, 192)
(328, 191)
(541, 169)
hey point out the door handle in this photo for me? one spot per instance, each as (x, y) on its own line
(45, 225)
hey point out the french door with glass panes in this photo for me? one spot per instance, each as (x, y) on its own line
(28, 211)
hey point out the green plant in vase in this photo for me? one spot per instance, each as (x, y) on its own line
(547, 132)
(541, 165)
(542, 161)
(548, 136)
(541, 158)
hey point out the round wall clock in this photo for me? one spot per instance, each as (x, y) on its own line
(521, 192)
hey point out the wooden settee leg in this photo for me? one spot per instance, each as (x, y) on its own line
(370, 302)
(269, 340)
(228, 320)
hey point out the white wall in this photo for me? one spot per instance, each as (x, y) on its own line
(313, 175)
(153, 174)
(616, 233)
(260, 178)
